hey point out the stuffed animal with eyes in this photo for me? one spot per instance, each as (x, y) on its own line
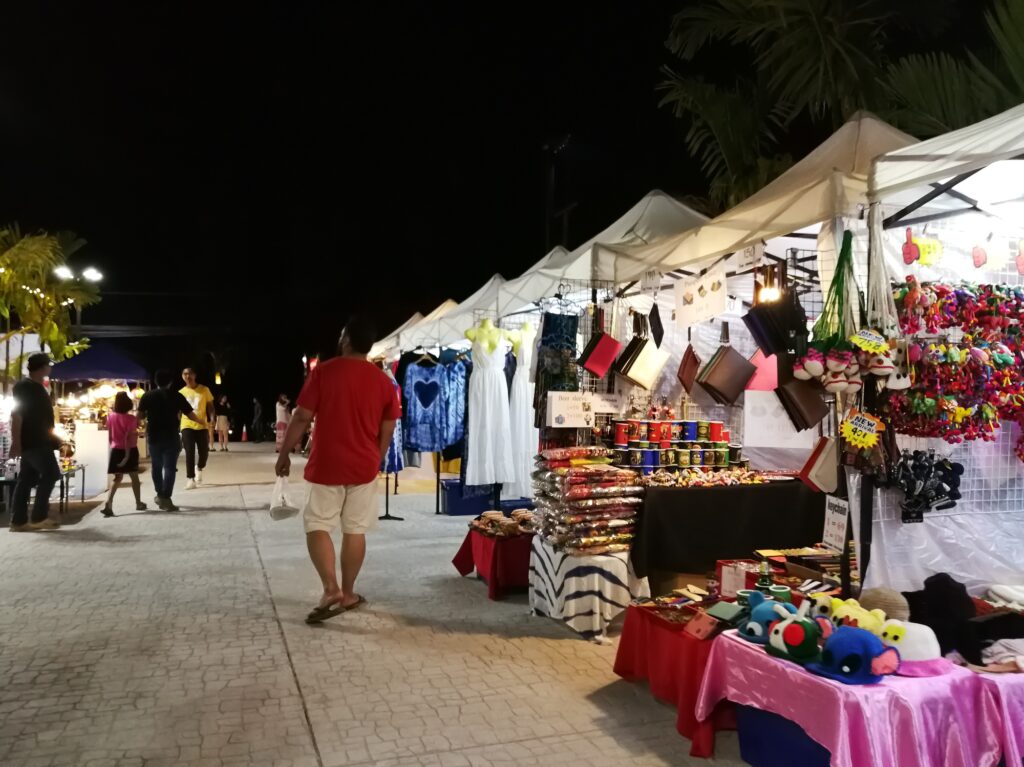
(796, 637)
(855, 656)
(762, 615)
(920, 654)
(850, 613)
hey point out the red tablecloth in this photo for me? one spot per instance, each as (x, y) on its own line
(673, 664)
(501, 562)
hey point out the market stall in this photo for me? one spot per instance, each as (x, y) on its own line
(87, 385)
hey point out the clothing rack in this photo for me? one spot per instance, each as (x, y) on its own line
(387, 494)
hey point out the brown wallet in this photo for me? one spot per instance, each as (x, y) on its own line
(803, 403)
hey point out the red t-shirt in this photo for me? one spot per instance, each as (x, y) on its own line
(350, 398)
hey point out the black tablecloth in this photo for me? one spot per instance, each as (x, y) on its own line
(686, 530)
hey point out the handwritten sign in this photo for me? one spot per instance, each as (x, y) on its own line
(576, 410)
(651, 280)
(701, 298)
(837, 515)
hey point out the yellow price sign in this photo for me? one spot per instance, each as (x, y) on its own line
(861, 430)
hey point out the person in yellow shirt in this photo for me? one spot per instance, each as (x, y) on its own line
(195, 434)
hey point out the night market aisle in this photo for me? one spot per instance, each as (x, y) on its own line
(174, 639)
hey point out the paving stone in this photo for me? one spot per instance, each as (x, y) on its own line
(155, 638)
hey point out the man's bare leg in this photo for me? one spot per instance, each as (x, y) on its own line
(321, 552)
(353, 551)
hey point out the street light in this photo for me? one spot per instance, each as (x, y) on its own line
(89, 274)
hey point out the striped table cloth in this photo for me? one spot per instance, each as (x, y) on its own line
(586, 593)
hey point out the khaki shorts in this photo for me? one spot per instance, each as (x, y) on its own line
(355, 506)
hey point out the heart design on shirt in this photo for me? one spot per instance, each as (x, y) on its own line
(426, 393)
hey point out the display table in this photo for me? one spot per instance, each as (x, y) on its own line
(586, 593)
(1007, 694)
(501, 562)
(673, 664)
(949, 720)
(687, 530)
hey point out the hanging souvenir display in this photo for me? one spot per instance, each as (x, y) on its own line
(959, 390)
(830, 358)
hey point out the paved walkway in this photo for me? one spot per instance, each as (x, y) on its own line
(178, 639)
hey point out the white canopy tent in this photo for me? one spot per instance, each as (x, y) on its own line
(967, 187)
(452, 325)
(651, 221)
(385, 346)
(829, 182)
(978, 147)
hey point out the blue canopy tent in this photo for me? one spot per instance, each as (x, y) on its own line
(99, 362)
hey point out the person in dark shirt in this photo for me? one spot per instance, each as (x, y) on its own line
(33, 440)
(163, 408)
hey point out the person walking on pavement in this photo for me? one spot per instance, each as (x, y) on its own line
(33, 440)
(223, 410)
(257, 420)
(123, 431)
(282, 417)
(195, 433)
(163, 408)
(356, 407)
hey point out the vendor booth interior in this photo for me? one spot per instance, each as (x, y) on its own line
(784, 443)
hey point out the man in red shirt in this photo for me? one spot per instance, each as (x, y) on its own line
(355, 406)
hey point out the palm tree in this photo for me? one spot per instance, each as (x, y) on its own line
(821, 60)
(32, 298)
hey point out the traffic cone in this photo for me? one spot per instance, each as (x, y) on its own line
(245, 434)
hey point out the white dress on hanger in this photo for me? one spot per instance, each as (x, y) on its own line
(525, 436)
(489, 456)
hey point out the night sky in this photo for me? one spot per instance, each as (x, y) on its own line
(259, 171)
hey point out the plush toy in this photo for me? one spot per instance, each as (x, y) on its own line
(762, 615)
(813, 362)
(836, 361)
(850, 613)
(795, 637)
(882, 365)
(855, 656)
(822, 606)
(920, 654)
(834, 382)
(854, 383)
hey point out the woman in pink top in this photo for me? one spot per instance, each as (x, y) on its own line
(123, 428)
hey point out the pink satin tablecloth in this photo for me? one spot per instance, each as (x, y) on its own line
(1007, 692)
(952, 720)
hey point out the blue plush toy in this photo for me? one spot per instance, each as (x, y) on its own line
(855, 656)
(762, 615)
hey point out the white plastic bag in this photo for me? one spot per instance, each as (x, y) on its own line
(280, 506)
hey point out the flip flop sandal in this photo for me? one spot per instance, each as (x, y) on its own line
(320, 614)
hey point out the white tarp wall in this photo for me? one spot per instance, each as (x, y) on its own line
(981, 540)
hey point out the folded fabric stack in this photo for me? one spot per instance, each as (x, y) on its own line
(586, 507)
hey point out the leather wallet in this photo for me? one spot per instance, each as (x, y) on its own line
(632, 347)
(657, 328)
(647, 365)
(688, 369)
(704, 626)
(803, 403)
(601, 351)
(726, 612)
(821, 472)
(726, 375)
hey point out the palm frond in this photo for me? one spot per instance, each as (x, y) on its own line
(935, 93)
(1006, 25)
